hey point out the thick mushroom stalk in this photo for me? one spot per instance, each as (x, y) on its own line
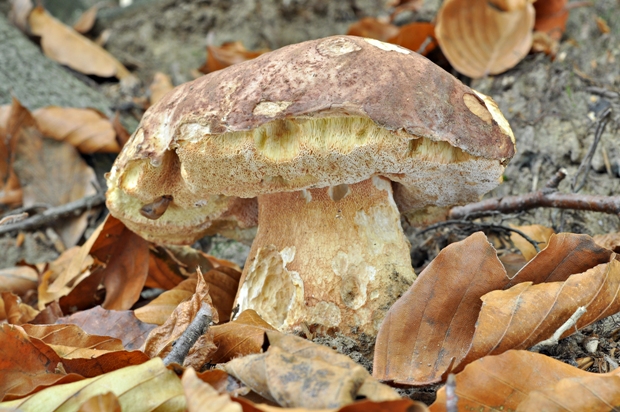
(334, 257)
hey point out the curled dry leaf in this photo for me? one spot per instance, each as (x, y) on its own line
(160, 340)
(15, 311)
(243, 336)
(527, 381)
(479, 39)
(107, 402)
(18, 280)
(417, 36)
(551, 17)
(159, 309)
(86, 129)
(430, 330)
(142, 388)
(68, 47)
(228, 54)
(609, 241)
(199, 394)
(121, 324)
(538, 233)
(374, 28)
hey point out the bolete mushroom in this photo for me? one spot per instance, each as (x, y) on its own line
(336, 138)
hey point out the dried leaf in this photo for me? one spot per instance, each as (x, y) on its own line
(374, 28)
(87, 20)
(107, 402)
(16, 312)
(86, 129)
(243, 336)
(417, 36)
(25, 366)
(602, 25)
(142, 388)
(551, 17)
(121, 324)
(510, 5)
(543, 43)
(68, 47)
(11, 119)
(202, 397)
(435, 320)
(72, 335)
(228, 54)
(478, 39)
(535, 232)
(160, 86)
(18, 280)
(160, 340)
(159, 309)
(609, 241)
(170, 265)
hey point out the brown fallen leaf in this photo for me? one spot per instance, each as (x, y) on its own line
(18, 280)
(551, 17)
(401, 405)
(199, 394)
(68, 47)
(538, 233)
(160, 86)
(228, 54)
(141, 388)
(87, 20)
(170, 265)
(11, 118)
(430, 329)
(374, 28)
(479, 39)
(243, 336)
(522, 316)
(160, 340)
(159, 309)
(107, 402)
(25, 366)
(121, 324)
(417, 36)
(510, 381)
(15, 311)
(609, 241)
(86, 129)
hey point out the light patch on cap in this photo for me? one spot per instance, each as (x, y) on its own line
(387, 46)
(270, 109)
(497, 115)
(337, 47)
(476, 107)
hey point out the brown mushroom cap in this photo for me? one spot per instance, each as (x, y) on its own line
(320, 113)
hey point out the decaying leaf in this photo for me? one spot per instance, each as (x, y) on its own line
(160, 340)
(535, 232)
(228, 54)
(527, 381)
(159, 309)
(551, 17)
(328, 379)
(68, 47)
(86, 129)
(243, 336)
(142, 388)
(479, 39)
(431, 329)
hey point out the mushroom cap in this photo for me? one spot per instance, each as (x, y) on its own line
(320, 113)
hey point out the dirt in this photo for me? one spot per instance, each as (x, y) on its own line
(548, 102)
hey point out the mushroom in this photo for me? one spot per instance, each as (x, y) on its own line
(336, 138)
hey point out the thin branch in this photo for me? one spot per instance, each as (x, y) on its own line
(553, 340)
(484, 225)
(586, 163)
(197, 328)
(54, 214)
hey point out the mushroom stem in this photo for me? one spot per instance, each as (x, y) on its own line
(332, 258)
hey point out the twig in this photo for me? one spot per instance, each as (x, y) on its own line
(198, 327)
(451, 398)
(586, 163)
(553, 340)
(482, 225)
(545, 197)
(55, 213)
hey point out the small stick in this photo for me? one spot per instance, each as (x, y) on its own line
(451, 398)
(586, 163)
(55, 213)
(197, 328)
(553, 340)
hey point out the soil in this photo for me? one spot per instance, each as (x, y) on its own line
(549, 102)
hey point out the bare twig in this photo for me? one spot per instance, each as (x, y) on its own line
(55, 213)
(451, 398)
(545, 197)
(484, 225)
(553, 340)
(196, 329)
(586, 163)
